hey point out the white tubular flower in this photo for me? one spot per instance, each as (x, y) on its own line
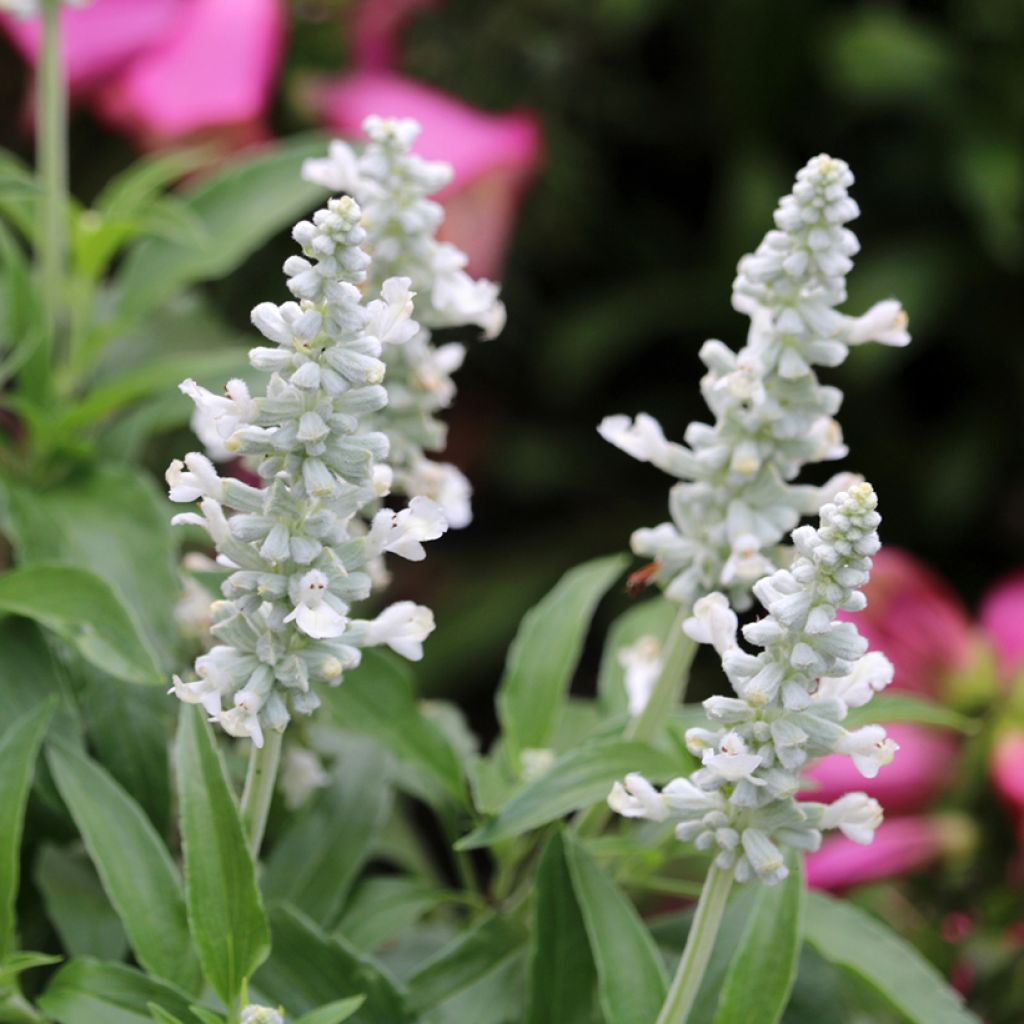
(713, 622)
(403, 627)
(789, 700)
(299, 547)
(254, 1014)
(736, 500)
(410, 266)
(642, 664)
(444, 484)
(856, 815)
(637, 798)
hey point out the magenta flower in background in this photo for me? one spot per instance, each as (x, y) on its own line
(1002, 618)
(376, 31)
(165, 70)
(900, 846)
(916, 620)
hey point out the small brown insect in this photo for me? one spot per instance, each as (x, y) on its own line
(638, 581)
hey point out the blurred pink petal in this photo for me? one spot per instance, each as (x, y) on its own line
(494, 155)
(901, 845)
(1002, 617)
(100, 39)
(376, 31)
(921, 769)
(1006, 769)
(214, 68)
(915, 619)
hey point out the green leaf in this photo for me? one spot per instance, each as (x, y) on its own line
(82, 609)
(577, 779)
(16, 963)
(333, 1013)
(241, 206)
(136, 870)
(205, 1016)
(378, 699)
(162, 1016)
(855, 941)
(763, 969)
(77, 906)
(19, 745)
(224, 907)
(308, 969)
(652, 617)
(383, 907)
(472, 956)
(315, 862)
(562, 971)
(87, 991)
(631, 980)
(545, 651)
(29, 673)
(903, 707)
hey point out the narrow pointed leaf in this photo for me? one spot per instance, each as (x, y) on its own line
(631, 979)
(851, 939)
(224, 907)
(137, 872)
(562, 972)
(545, 651)
(19, 745)
(333, 1013)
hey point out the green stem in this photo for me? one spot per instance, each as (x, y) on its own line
(699, 944)
(52, 168)
(668, 690)
(259, 788)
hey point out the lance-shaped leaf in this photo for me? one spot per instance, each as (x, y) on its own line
(134, 866)
(224, 907)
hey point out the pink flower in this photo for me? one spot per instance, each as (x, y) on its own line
(163, 70)
(376, 31)
(1002, 617)
(900, 846)
(1006, 769)
(919, 772)
(494, 155)
(915, 620)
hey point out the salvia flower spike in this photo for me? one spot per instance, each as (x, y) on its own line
(300, 547)
(790, 700)
(735, 501)
(394, 186)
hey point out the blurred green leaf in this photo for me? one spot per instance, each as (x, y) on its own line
(18, 192)
(763, 969)
(82, 609)
(316, 860)
(577, 779)
(544, 654)
(19, 745)
(853, 940)
(631, 978)
(562, 972)
(77, 906)
(333, 1013)
(29, 673)
(225, 912)
(308, 969)
(904, 707)
(136, 870)
(384, 906)
(161, 1016)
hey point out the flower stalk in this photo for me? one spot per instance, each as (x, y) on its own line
(699, 945)
(259, 789)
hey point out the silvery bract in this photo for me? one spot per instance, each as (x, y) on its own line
(772, 415)
(299, 547)
(790, 700)
(394, 186)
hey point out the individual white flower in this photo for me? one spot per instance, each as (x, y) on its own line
(642, 664)
(746, 562)
(302, 774)
(203, 691)
(869, 748)
(403, 627)
(732, 761)
(243, 720)
(535, 761)
(856, 815)
(391, 315)
(313, 614)
(254, 1014)
(713, 622)
(193, 479)
(402, 533)
(871, 674)
(638, 799)
(644, 439)
(217, 417)
(338, 172)
(444, 484)
(885, 322)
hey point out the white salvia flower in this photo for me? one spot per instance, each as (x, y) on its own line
(642, 664)
(736, 501)
(302, 774)
(394, 186)
(443, 484)
(299, 547)
(789, 700)
(856, 815)
(535, 761)
(254, 1014)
